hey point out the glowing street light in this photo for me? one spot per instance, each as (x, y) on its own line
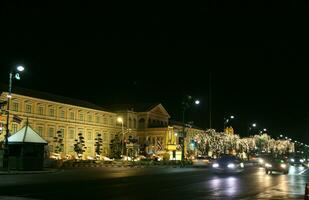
(9, 96)
(197, 102)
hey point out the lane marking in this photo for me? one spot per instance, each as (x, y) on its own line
(302, 171)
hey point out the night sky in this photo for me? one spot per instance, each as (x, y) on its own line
(111, 54)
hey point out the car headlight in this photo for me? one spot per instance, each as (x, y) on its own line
(292, 160)
(215, 165)
(283, 165)
(301, 160)
(231, 165)
(268, 165)
(261, 161)
(242, 165)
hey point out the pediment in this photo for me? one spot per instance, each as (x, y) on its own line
(159, 110)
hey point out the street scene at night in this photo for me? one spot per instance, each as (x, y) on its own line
(129, 101)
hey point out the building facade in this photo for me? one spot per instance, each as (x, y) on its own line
(50, 115)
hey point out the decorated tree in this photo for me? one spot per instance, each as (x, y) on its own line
(58, 141)
(79, 146)
(116, 148)
(98, 145)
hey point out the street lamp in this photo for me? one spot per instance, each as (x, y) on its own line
(226, 120)
(120, 120)
(9, 96)
(187, 103)
(251, 126)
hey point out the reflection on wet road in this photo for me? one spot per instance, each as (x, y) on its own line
(157, 183)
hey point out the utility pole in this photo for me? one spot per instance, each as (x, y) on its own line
(210, 88)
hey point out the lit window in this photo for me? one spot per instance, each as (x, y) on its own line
(40, 110)
(40, 130)
(81, 117)
(62, 113)
(14, 128)
(71, 134)
(15, 106)
(71, 115)
(97, 119)
(89, 118)
(51, 112)
(28, 108)
(51, 132)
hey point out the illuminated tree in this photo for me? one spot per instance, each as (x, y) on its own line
(58, 140)
(116, 148)
(98, 145)
(79, 146)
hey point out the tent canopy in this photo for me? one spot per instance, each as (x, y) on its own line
(26, 135)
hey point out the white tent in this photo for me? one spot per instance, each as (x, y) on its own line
(26, 135)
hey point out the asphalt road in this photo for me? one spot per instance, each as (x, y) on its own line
(155, 183)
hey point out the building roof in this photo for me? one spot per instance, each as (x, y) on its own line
(139, 107)
(52, 97)
(177, 123)
(26, 135)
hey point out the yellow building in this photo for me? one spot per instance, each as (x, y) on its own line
(49, 114)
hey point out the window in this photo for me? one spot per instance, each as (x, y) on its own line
(81, 117)
(97, 119)
(105, 120)
(28, 108)
(89, 135)
(134, 123)
(89, 118)
(40, 110)
(51, 132)
(14, 128)
(15, 106)
(71, 115)
(130, 123)
(40, 130)
(51, 112)
(71, 134)
(62, 113)
(112, 121)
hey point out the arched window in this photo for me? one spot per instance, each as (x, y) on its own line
(134, 123)
(141, 123)
(130, 123)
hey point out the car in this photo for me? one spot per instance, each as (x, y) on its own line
(202, 161)
(296, 160)
(276, 164)
(228, 164)
(262, 158)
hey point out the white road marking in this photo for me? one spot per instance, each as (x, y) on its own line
(302, 171)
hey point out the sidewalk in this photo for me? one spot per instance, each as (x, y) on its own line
(14, 172)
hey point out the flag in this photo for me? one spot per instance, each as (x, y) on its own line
(17, 119)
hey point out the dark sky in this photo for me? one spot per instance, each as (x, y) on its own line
(110, 54)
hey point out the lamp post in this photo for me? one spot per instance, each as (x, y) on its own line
(185, 105)
(226, 120)
(251, 126)
(120, 120)
(9, 96)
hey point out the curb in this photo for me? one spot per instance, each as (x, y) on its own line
(28, 172)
